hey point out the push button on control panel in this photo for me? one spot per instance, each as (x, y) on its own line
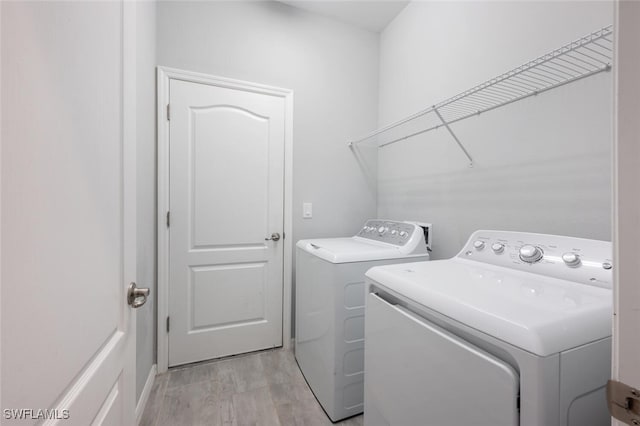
(530, 254)
(478, 245)
(571, 259)
(497, 248)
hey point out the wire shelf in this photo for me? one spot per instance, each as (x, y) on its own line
(579, 59)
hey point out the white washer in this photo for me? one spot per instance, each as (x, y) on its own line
(330, 293)
(514, 330)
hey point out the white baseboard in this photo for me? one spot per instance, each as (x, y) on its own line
(146, 391)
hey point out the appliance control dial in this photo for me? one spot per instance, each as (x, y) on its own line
(404, 234)
(571, 259)
(497, 247)
(382, 230)
(479, 245)
(530, 253)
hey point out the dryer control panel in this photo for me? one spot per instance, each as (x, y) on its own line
(569, 258)
(397, 233)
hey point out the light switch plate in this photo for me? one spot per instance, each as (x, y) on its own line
(307, 210)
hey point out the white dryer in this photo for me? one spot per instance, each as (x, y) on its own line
(330, 293)
(514, 330)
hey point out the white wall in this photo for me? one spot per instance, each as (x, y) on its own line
(330, 66)
(146, 189)
(541, 165)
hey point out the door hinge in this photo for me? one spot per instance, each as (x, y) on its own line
(168, 324)
(623, 402)
(168, 219)
(168, 113)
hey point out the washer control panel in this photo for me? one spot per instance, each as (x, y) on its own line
(390, 232)
(575, 259)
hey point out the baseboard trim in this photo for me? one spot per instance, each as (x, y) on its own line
(146, 391)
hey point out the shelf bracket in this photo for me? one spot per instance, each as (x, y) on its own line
(453, 135)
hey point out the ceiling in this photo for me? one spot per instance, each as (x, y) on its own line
(370, 15)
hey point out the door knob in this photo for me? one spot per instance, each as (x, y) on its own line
(137, 297)
(274, 237)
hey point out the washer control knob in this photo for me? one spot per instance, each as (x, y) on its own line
(394, 232)
(497, 248)
(530, 254)
(382, 230)
(403, 234)
(479, 245)
(571, 259)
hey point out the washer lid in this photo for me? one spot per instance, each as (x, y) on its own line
(352, 249)
(539, 314)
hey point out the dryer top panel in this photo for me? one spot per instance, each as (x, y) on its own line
(353, 249)
(536, 309)
(377, 240)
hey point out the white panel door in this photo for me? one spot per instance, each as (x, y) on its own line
(419, 374)
(68, 213)
(226, 196)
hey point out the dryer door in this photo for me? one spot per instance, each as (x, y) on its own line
(419, 374)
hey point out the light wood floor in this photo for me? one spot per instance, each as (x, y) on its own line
(264, 388)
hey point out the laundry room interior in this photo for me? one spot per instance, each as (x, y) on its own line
(335, 212)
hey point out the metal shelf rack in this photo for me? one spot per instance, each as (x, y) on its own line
(587, 56)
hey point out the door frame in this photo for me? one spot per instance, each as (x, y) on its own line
(164, 75)
(626, 202)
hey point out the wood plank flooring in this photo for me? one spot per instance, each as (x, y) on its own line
(263, 388)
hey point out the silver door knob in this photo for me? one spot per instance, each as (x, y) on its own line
(137, 297)
(274, 237)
